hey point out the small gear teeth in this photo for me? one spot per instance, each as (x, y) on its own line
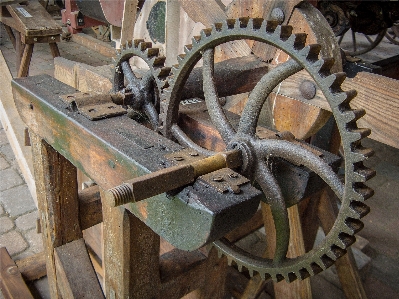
(346, 240)
(151, 52)
(206, 32)
(181, 57)
(297, 41)
(196, 39)
(217, 27)
(311, 52)
(257, 23)
(251, 272)
(336, 252)
(271, 26)
(362, 173)
(304, 273)
(359, 208)
(328, 261)
(351, 116)
(363, 191)
(355, 134)
(361, 153)
(285, 31)
(334, 81)
(355, 225)
(136, 42)
(239, 266)
(187, 48)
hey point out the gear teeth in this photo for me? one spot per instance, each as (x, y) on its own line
(334, 81)
(362, 173)
(359, 208)
(256, 23)
(285, 31)
(220, 253)
(297, 41)
(351, 116)
(361, 153)
(327, 261)
(175, 68)
(316, 268)
(363, 191)
(136, 42)
(356, 134)
(187, 48)
(144, 45)
(228, 24)
(229, 261)
(129, 44)
(164, 71)
(239, 266)
(325, 65)
(271, 26)
(311, 52)
(335, 253)
(355, 225)
(151, 52)
(346, 240)
(291, 277)
(304, 273)
(321, 265)
(278, 278)
(251, 272)
(181, 57)
(196, 39)
(159, 61)
(217, 27)
(206, 32)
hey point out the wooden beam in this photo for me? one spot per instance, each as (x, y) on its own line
(76, 277)
(33, 267)
(12, 284)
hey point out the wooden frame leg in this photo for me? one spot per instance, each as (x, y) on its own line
(54, 50)
(19, 49)
(23, 70)
(57, 196)
(131, 255)
(10, 35)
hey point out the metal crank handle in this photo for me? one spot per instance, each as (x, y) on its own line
(170, 178)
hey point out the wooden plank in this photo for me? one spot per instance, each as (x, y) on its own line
(90, 207)
(15, 128)
(33, 267)
(131, 254)
(57, 194)
(25, 61)
(39, 23)
(12, 284)
(76, 277)
(94, 44)
(128, 20)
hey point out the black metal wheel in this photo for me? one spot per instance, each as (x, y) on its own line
(256, 150)
(359, 45)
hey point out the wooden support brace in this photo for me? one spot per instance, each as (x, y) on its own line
(12, 284)
(23, 70)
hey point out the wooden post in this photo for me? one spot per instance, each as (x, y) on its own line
(131, 255)
(57, 194)
(23, 69)
(54, 50)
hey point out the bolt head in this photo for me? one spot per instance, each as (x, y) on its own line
(277, 14)
(308, 89)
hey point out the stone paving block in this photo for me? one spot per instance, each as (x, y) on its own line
(18, 201)
(5, 224)
(9, 179)
(14, 242)
(35, 241)
(3, 163)
(7, 152)
(27, 221)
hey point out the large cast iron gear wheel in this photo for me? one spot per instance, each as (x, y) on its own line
(255, 150)
(141, 93)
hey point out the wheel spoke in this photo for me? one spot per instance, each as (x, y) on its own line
(275, 199)
(341, 38)
(215, 110)
(129, 75)
(186, 141)
(369, 39)
(301, 156)
(258, 96)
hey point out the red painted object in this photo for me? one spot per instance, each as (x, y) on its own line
(75, 20)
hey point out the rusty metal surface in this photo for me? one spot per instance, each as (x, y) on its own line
(115, 150)
(257, 153)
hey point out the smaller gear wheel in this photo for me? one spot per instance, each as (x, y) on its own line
(141, 94)
(256, 150)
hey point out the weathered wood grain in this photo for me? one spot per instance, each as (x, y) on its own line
(75, 273)
(12, 284)
(33, 267)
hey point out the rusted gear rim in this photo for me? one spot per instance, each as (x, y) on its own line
(353, 207)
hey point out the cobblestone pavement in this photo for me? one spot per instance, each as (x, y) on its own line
(18, 213)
